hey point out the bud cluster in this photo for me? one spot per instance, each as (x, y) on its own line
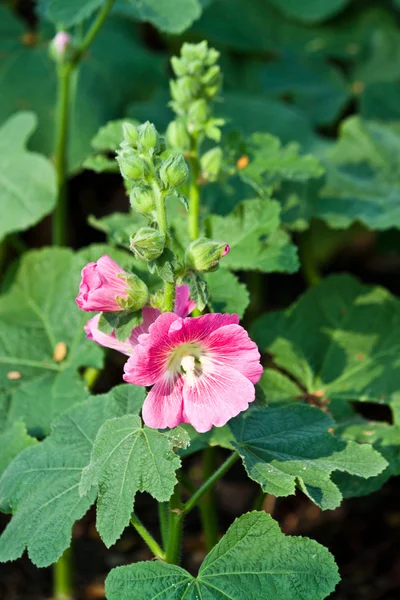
(198, 83)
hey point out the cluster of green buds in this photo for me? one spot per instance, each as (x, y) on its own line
(197, 85)
(151, 173)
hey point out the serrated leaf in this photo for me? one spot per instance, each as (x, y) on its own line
(163, 266)
(226, 293)
(13, 440)
(256, 242)
(290, 446)
(171, 16)
(253, 560)
(23, 201)
(363, 177)
(42, 483)
(121, 323)
(339, 341)
(198, 289)
(37, 315)
(270, 164)
(127, 458)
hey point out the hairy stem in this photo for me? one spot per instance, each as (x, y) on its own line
(147, 537)
(163, 519)
(162, 222)
(62, 580)
(194, 197)
(175, 527)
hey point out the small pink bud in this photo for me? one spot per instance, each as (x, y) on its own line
(226, 250)
(61, 42)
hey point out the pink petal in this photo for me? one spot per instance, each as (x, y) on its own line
(217, 396)
(231, 346)
(107, 340)
(183, 305)
(100, 285)
(194, 329)
(150, 359)
(163, 405)
(150, 315)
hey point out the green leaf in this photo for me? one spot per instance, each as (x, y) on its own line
(363, 177)
(42, 341)
(171, 16)
(339, 341)
(42, 483)
(100, 164)
(310, 11)
(270, 163)
(227, 294)
(253, 560)
(163, 266)
(121, 323)
(68, 12)
(127, 458)
(198, 289)
(256, 242)
(13, 440)
(119, 226)
(106, 80)
(105, 142)
(23, 200)
(311, 83)
(290, 446)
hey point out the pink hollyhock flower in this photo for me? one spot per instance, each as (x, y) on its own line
(61, 41)
(102, 283)
(202, 370)
(183, 307)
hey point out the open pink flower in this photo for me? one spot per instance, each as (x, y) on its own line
(183, 307)
(202, 370)
(102, 283)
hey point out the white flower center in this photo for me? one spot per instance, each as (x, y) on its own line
(188, 364)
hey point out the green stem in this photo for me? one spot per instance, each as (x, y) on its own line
(91, 375)
(207, 505)
(147, 537)
(62, 586)
(164, 525)
(162, 222)
(175, 527)
(309, 265)
(191, 503)
(60, 155)
(194, 197)
(64, 102)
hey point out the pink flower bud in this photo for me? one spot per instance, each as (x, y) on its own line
(104, 286)
(61, 41)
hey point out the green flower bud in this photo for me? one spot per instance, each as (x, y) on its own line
(142, 200)
(131, 166)
(199, 112)
(148, 137)
(178, 66)
(130, 134)
(177, 136)
(204, 254)
(138, 294)
(174, 171)
(147, 243)
(211, 163)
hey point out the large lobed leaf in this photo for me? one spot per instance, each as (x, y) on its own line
(291, 446)
(127, 458)
(339, 341)
(23, 200)
(42, 484)
(253, 560)
(256, 241)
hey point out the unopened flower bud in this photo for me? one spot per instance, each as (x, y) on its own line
(177, 136)
(174, 171)
(60, 42)
(130, 133)
(211, 163)
(148, 137)
(131, 166)
(147, 244)
(178, 66)
(199, 112)
(204, 254)
(142, 200)
(138, 294)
